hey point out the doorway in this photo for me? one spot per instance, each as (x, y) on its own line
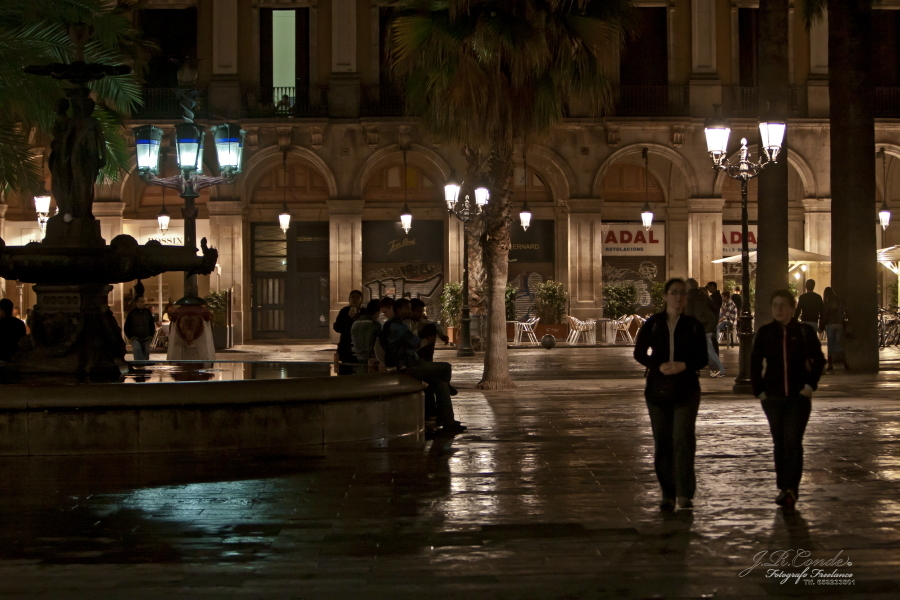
(290, 293)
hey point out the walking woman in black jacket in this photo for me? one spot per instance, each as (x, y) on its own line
(785, 384)
(672, 345)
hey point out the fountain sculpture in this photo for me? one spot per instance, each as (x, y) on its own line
(73, 331)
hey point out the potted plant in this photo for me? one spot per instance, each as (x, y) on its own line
(217, 303)
(550, 300)
(511, 291)
(451, 308)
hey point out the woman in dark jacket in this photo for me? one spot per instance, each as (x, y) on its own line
(831, 322)
(672, 346)
(793, 364)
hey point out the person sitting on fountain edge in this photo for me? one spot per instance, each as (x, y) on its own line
(12, 330)
(342, 325)
(140, 325)
(401, 351)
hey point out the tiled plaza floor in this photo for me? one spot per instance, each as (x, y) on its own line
(549, 494)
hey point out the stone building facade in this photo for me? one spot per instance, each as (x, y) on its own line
(333, 154)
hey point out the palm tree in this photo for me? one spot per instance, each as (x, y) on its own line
(491, 74)
(851, 96)
(38, 33)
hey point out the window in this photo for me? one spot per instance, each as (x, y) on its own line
(175, 32)
(748, 46)
(284, 49)
(644, 59)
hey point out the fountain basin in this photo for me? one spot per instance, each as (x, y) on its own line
(209, 415)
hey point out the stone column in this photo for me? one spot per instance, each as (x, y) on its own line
(226, 232)
(344, 89)
(706, 87)
(817, 84)
(817, 238)
(345, 247)
(224, 88)
(110, 216)
(585, 258)
(705, 239)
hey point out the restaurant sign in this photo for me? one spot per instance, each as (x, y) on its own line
(731, 238)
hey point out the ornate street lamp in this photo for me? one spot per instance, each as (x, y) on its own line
(884, 213)
(771, 135)
(229, 141)
(42, 208)
(525, 213)
(466, 210)
(163, 218)
(646, 212)
(284, 219)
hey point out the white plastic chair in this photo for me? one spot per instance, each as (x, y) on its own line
(622, 328)
(526, 328)
(582, 329)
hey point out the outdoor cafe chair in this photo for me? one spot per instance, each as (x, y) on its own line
(622, 328)
(526, 328)
(582, 329)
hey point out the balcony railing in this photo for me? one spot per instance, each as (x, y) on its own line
(382, 101)
(745, 101)
(164, 103)
(305, 101)
(652, 100)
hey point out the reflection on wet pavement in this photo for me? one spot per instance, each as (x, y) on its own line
(165, 372)
(550, 494)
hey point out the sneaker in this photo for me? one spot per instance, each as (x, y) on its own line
(667, 505)
(790, 499)
(779, 499)
(720, 374)
(713, 374)
(685, 503)
(454, 427)
(453, 390)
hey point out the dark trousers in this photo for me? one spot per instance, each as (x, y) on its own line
(437, 376)
(675, 444)
(787, 422)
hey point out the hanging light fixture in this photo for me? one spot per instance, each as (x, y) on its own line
(646, 212)
(884, 213)
(405, 214)
(525, 213)
(162, 218)
(451, 190)
(284, 219)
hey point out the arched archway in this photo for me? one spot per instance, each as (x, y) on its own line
(387, 185)
(627, 182)
(632, 154)
(296, 182)
(267, 160)
(418, 157)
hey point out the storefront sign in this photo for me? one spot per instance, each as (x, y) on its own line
(533, 246)
(731, 238)
(385, 242)
(631, 239)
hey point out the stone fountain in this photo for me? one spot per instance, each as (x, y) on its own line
(72, 331)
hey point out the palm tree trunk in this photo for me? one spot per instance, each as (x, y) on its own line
(774, 103)
(496, 244)
(477, 272)
(853, 241)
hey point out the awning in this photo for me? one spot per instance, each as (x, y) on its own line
(890, 258)
(794, 256)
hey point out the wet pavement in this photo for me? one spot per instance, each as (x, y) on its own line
(549, 494)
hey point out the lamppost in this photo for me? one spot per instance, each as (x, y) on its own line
(771, 134)
(229, 140)
(884, 213)
(466, 211)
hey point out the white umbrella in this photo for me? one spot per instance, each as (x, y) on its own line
(794, 256)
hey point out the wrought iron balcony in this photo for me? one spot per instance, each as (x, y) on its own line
(744, 101)
(304, 101)
(887, 102)
(382, 101)
(652, 100)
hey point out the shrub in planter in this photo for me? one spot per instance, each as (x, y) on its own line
(451, 304)
(511, 302)
(217, 303)
(550, 301)
(657, 291)
(620, 299)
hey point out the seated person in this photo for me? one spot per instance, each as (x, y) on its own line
(401, 352)
(363, 333)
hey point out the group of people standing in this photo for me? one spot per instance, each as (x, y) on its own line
(717, 312)
(786, 364)
(396, 335)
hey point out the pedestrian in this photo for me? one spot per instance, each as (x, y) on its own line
(714, 295)
(12, 330)
(809, 306)
(401, 352)
(736, 297)
(700, 307)
(346, 359)
(672, 345)
(364, 333)
(140, 325)
(832, 322)
(728, 316)
(793, 364)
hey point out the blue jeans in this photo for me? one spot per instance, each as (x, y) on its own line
(835, 336)
(141, 349)
(711, 351)
(675, 444)
(787, 422)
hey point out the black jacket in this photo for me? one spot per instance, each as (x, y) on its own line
(809, 307)
(785, 376)
(140, 324)
(700, 307)
(690, 348)
(717, 300)
(343, 324)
